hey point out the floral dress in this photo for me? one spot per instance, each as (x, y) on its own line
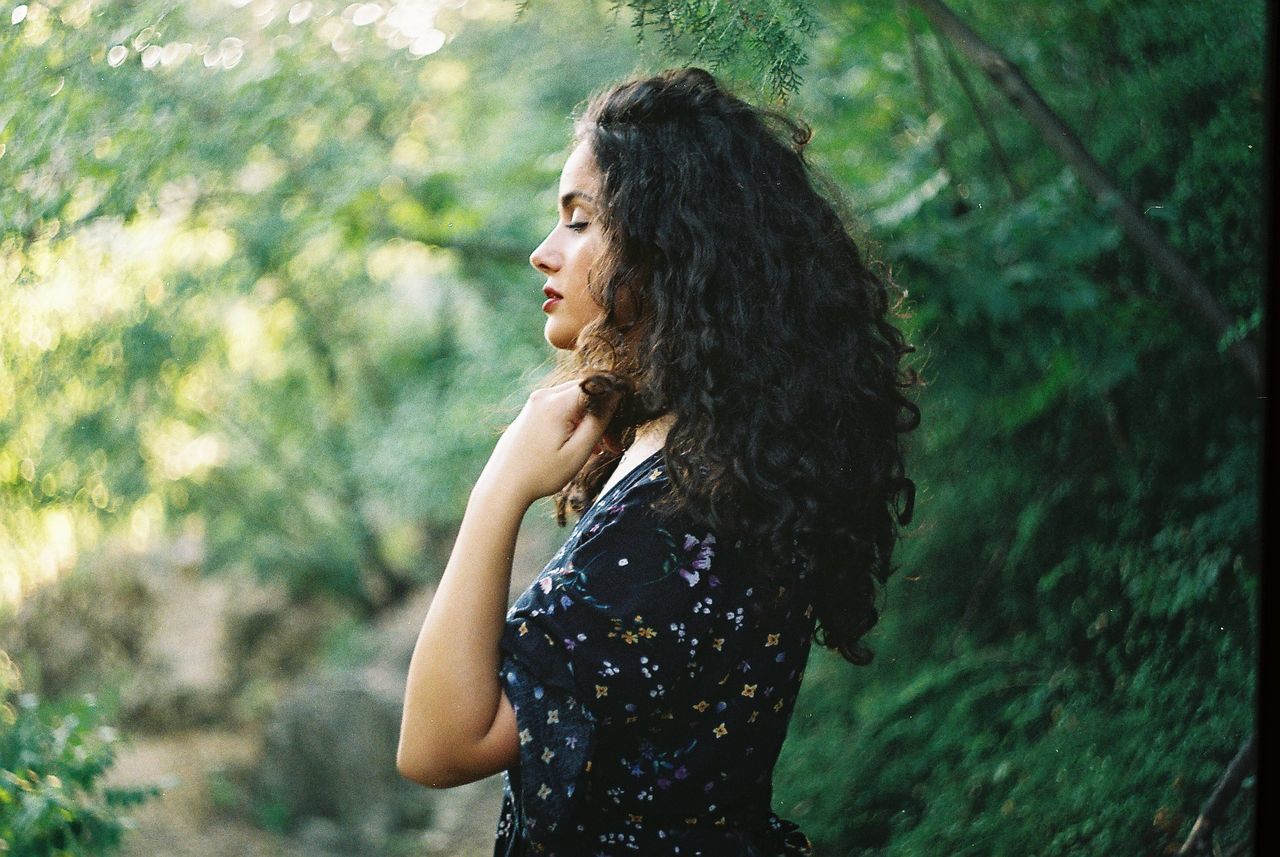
(650, 707)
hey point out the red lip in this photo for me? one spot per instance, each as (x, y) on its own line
(550, 292)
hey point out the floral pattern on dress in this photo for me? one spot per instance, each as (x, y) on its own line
(650, 708)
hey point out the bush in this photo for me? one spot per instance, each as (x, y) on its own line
(52, 759)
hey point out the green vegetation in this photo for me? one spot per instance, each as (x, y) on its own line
(1067, 659)
(52, 758)
(271, 298)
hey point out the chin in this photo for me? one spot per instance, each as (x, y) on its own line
(560, 339)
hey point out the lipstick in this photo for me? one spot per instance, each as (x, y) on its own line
(553, 298)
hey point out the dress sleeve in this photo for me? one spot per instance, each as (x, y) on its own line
(605, 634)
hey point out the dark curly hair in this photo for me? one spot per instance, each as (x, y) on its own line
(735, 299)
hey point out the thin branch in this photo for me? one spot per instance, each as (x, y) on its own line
(382, 584)
(1058, 135)
(1240, 849)
(976, 595)
(930, 103)
(1215, 808)
(995, 566)
(993, 139)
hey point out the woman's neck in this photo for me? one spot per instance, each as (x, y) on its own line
(648, 439)
(651, 436)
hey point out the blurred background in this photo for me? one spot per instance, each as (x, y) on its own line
(265, 305)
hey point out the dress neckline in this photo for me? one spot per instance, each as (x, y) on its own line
(629, 479)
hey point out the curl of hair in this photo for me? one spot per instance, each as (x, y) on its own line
(734, 298)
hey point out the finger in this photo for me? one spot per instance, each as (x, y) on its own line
(554, 391)
(588, 431)
(584, 402)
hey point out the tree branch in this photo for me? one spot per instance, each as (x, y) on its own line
(979, 590)
(962, 77)
(1215, 808)
(1058, 135)
(930, 104)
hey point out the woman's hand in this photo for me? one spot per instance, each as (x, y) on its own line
(548, 442)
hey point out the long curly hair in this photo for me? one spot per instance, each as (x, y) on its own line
(734, 298)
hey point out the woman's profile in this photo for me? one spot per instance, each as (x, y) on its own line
(725, 421)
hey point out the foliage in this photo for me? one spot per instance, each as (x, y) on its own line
(52, 759)
(1068, 657)
(759, 44)
(273, 297)
(261, 338)
(765, 35)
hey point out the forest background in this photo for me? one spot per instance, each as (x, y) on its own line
(265, 303)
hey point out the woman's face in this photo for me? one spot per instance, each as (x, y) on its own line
(567, 254)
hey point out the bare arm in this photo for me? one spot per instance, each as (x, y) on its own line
(454, 729)
(457, 724)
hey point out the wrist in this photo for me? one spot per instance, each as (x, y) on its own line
(497, 495)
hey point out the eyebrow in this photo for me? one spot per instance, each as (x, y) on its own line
(568, 198)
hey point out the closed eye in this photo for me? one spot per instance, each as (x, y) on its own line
(579, 226)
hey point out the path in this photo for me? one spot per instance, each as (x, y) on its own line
(193, 764)
(184, 821)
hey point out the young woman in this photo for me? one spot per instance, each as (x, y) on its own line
(725, 419)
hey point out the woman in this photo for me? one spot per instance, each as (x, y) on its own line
(726, 420)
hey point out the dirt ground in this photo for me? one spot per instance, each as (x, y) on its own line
(196, 815)
(184, 821)
(187, 821)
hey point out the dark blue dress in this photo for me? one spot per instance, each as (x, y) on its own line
(650, 708)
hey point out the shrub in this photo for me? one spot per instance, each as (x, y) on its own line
(53, 755)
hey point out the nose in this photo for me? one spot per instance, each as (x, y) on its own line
(544, 258)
